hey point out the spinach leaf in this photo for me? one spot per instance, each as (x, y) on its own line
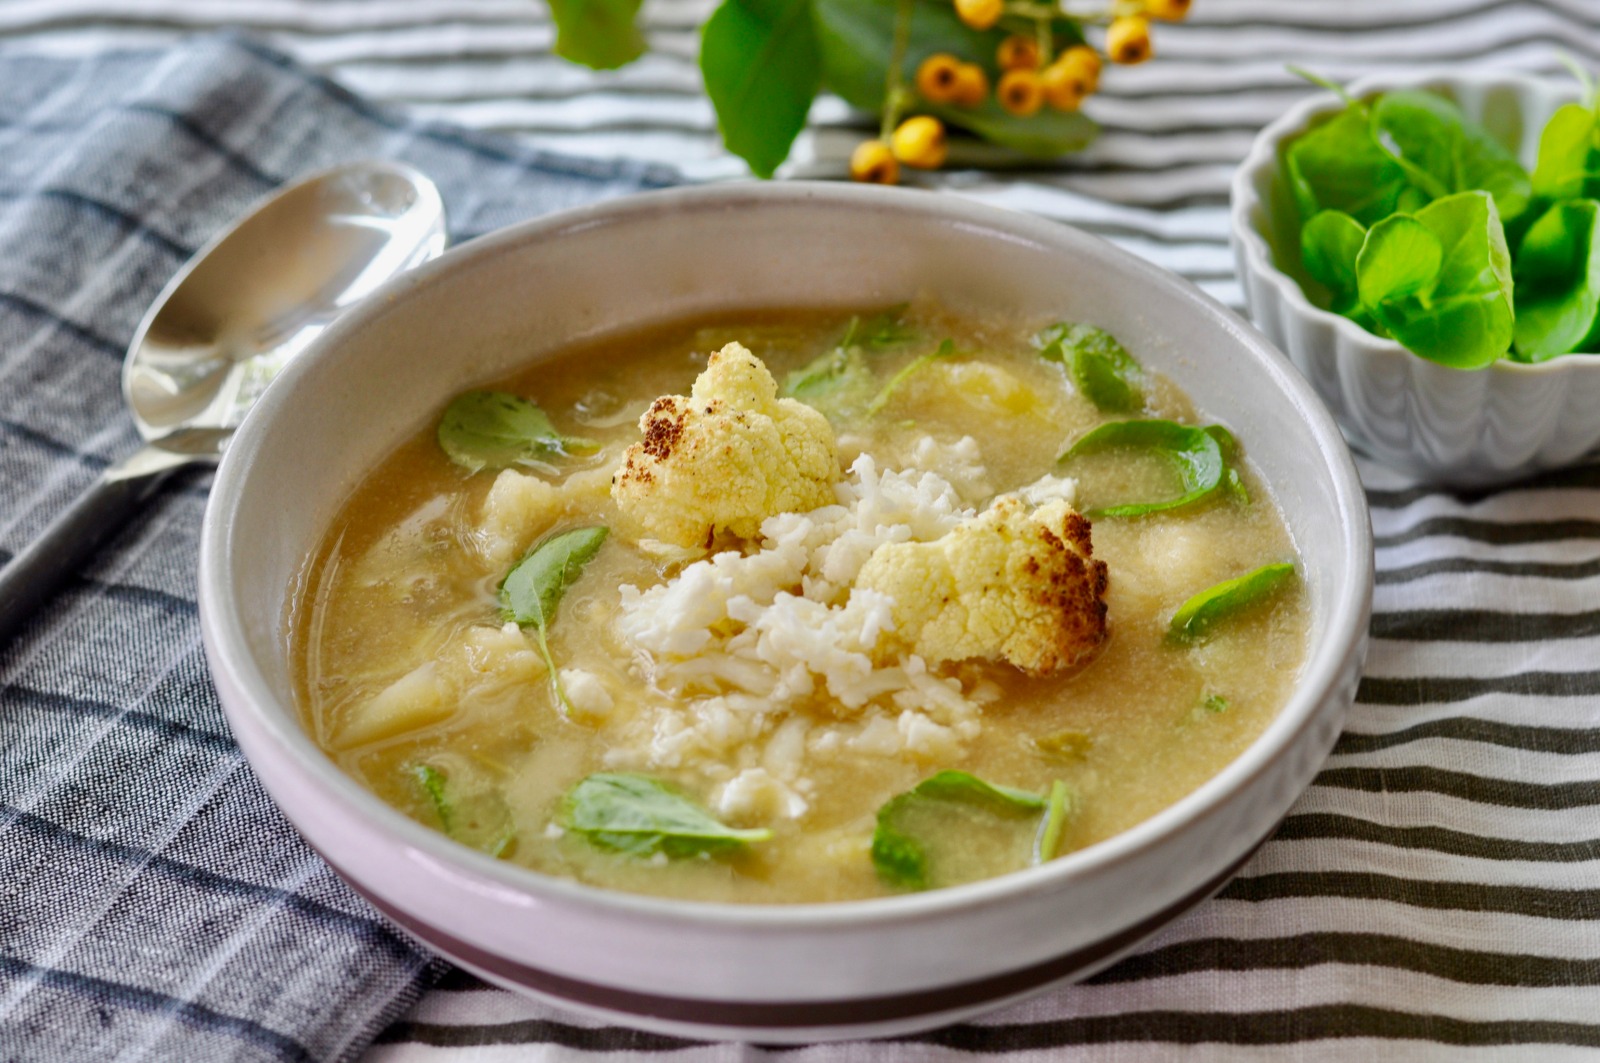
(638, 815)
(1443, 153)
(1101, 368)
(532, 591)
(1558, 283)
(1330, 244)
(602, 34)
(475, 815)
(901, 857)
(1057, 807)
(1196, 618)
(910, 369)
(1202, 457)
(494, 429)
(1340, 166)
(1440, 280)
(762, 69)
(1568, 165)
(887, 328)
(837, 383)
(856, 40)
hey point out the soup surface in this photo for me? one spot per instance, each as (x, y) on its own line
(740, 689)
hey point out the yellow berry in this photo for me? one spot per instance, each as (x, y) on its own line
(920, 142)
(1021, 92)
(980, 14)
(1128, 40)
(972, 85)
(939, 78)
(873, 162)
(1085, 62)
(1167, 10)
(1064, 86)
(1018, 53)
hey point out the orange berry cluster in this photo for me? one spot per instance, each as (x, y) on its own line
(1026, 84)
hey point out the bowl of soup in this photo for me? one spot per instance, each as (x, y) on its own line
(786, 612)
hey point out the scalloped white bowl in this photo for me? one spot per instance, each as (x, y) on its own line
(772, 973)
(1469, 428)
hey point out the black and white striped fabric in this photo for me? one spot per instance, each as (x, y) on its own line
(1436, 895)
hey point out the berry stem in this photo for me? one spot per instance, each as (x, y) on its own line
(894, 93)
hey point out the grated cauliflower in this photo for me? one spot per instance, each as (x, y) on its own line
(725, 457)
(1014, 583)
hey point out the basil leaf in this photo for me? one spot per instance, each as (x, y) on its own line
(946, 349)
(761, 68)
(1340, 166)
(856, 38)
(638, 815)
(900, 856)
(1200, 456)
(1057, 807)
(1558, 283)
(1330, 244)
(1443, 153)
(1101, 368)
(602, 34)
(1196, 618)
(1447, 298)
(475, 815)
(1568, 165)
(494, 429)
(532, 591)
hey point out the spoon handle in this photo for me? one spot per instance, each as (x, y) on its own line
(29, 580)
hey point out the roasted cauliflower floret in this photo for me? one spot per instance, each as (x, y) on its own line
(725, 457)
(1014, 583)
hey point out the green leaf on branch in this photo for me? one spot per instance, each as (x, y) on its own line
(1558, 283)
(602, 34)
(856, 38)
(762, 69)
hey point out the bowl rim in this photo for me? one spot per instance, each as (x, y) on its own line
(1322, 673)
(1262, 157)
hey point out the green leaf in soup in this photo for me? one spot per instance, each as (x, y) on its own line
(1558, 283)
(887, 328)
(1058, 806)
(1200, 456)
(602, 34)
(1340, 166)
(1198, 617)
(857, 38)
(761, 68)
(1065, 745)
(1568, 164)
(469, 810)
(640, 816)
(1443, 153)
(1330, 244)
(494, 429)
(532, 592)
(1461, 316)
(837, 383)
(1101, 368)
(900, 855)
(945, 349)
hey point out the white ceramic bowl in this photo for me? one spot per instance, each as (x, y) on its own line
(1463, 427)
(803, 972)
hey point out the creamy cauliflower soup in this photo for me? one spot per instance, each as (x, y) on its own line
(800, 607)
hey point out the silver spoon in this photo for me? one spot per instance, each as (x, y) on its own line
(222, 328)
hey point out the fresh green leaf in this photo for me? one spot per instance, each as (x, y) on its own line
(603, 34)
(494, 429)
(638, 815)
(837, 383)
(1214, 703)
(887, 328)
(900, 856)
(1057, 807)
(1443, 153)
(1340, 165)
(431, 780)
(533, 590)
(1568, 165)
(473, 813)
(1198, 616)
(1447, 294)
(856, 39)
(1202, 458)
(1101, 368)
(761, 67)
(945, 349)
(1558, 283)
(1330, 243)
(1065, 745)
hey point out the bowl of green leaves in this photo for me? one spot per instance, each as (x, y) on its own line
(1426, 251)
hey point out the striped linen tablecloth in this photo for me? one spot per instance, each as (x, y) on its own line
(1435, 895)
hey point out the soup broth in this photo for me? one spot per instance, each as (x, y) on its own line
(414, 681)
